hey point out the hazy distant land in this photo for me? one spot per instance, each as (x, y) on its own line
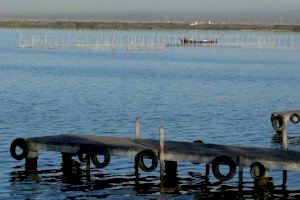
(144, 25)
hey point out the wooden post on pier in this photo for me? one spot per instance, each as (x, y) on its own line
(161, 152)
(168, 169)
(137, 128)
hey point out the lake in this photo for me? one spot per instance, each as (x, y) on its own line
(219, 95)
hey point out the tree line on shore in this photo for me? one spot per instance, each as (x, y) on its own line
(144, 25)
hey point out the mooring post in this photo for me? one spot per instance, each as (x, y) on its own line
(31, 158)
(67, 163)
(31, 164)
(137, 127)
(161, 152)
(170, 175)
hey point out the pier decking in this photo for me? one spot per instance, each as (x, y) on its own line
(174, 151)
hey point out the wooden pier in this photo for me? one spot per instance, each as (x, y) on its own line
(168, 153)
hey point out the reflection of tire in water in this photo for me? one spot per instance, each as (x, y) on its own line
(21, 143)
(257, 170)
(146, 154)
(223, 160)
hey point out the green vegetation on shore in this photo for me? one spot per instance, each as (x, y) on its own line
(140, 25)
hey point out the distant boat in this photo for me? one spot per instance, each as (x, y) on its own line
(186, 41)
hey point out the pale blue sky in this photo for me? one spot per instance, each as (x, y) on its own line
(84, 6)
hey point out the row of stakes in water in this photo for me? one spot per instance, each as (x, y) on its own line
(157, 42)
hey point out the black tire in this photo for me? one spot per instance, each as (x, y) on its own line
(21, 143)
(278, 122)
(151, 155)
(295, 118)
(96, 162)
(261, 170)
(225, 160)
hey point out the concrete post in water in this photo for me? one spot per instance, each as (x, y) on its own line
(161, 152)
(137, 128)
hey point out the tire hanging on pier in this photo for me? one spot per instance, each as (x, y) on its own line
(257, 170)
(22, 144)
(295, 118)
(223, 160)
(102, 151)
(278, 122)
(146, 154)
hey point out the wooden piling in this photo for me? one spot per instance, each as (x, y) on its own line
(170, 175)
(31, 158)
(67, 164)
(161, 152)
(31, 164)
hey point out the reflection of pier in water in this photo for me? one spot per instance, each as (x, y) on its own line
(133, 41)
(103, 185)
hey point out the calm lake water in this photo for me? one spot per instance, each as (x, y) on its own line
(218, 95)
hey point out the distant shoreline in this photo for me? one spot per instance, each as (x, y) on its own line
(145, 25)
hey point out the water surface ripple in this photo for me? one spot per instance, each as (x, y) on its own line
(218, 95)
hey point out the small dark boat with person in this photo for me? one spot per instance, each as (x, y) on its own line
(186, 41)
